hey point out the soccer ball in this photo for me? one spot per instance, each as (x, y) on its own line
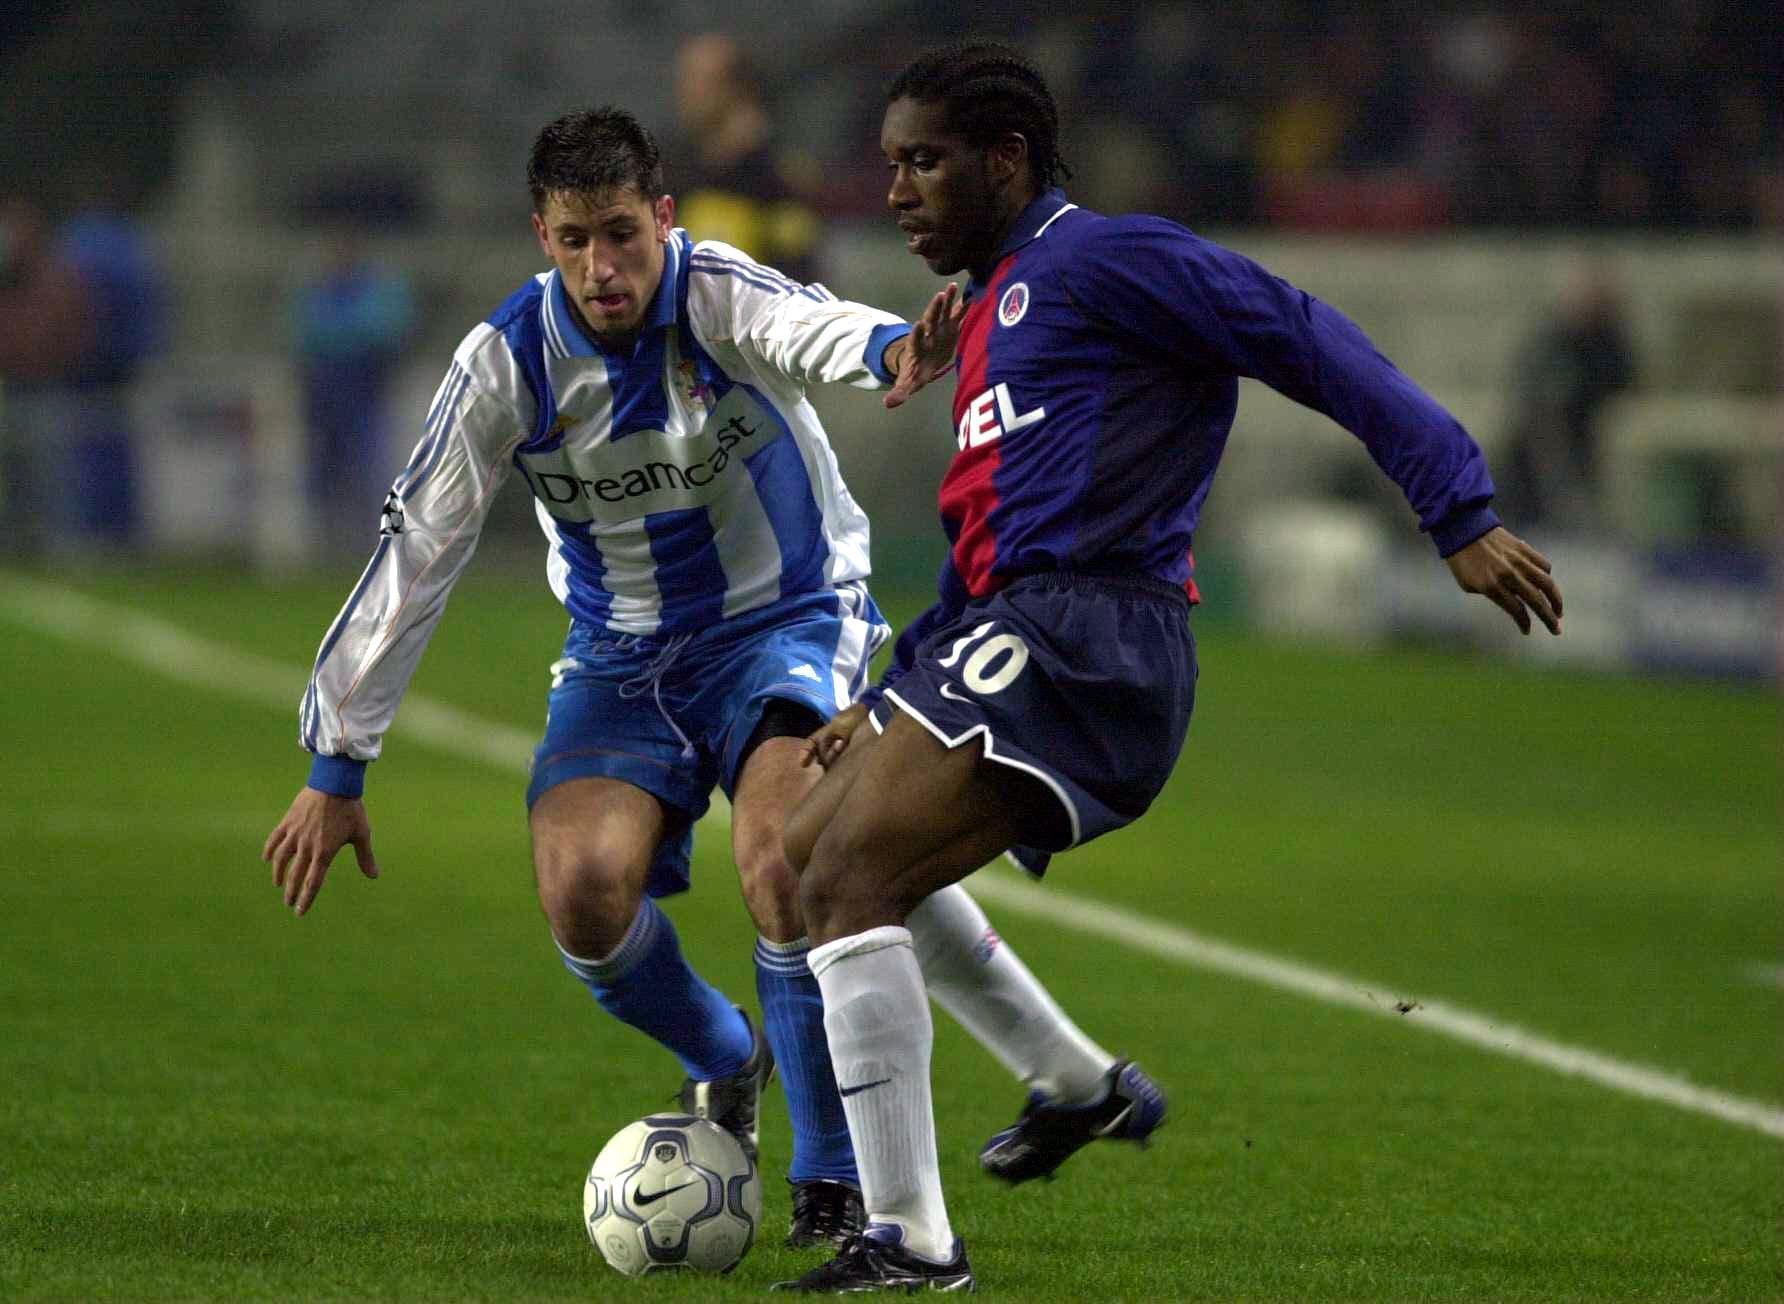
(672, 1191)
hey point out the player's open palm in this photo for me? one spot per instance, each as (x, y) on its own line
(1504, 568)
(306, 841)
(928, 351)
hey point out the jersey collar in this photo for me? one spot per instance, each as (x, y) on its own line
(579, 343)
(1029, 225)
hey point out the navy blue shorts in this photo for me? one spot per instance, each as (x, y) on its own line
(1085, 682)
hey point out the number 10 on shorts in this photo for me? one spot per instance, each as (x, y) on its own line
(1006, 652)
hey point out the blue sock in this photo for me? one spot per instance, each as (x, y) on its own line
(793, 1021)
(647, 984)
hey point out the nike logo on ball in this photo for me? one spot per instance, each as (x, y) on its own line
(640, 1197)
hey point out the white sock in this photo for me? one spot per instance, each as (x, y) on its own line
(877, 1020)
(973, 975)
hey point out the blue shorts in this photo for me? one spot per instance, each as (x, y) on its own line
(672, 715)
(1084, 682)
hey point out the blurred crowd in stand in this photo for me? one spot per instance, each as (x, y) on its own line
(83, 303)
(1575, 361)
(1665, 113)
(1657, 115)
(1652, 113)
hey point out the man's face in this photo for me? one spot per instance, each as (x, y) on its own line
(608, 247)
(942, 191)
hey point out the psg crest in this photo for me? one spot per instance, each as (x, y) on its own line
(1014, 304)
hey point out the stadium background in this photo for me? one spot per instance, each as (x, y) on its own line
(1578, 836)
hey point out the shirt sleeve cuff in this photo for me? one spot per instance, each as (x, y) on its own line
(340, 776)
(878, 341)
(1462, 527)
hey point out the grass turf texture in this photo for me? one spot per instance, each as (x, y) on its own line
(398, 1095)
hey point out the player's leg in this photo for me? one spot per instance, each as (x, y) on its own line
(1077, 1091)
(826, 1189)
(611, 802)
(980, 980)
(594, 843)
(771, 782)
(1047, 715)
(974, 974)
(917, 817)
(752, 689)
(808, 819)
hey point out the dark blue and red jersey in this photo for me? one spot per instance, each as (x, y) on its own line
(1099, 370)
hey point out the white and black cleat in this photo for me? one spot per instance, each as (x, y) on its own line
(1047, 1134)
(877, 1260)
(734, 1102)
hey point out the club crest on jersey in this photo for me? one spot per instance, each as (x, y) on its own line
(1014, 304)
(696, 390)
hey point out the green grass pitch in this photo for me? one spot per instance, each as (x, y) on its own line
(397, 1097)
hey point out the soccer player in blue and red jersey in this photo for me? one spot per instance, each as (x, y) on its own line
(1045, 697)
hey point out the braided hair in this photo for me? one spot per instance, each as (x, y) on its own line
(988, 90)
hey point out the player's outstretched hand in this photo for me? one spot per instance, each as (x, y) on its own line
(928, 351)
(1501, 566)
(831, 741)
(304, 844)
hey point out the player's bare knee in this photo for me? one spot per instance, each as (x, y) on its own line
(817, 900)
(757, 847)
(770, 888)
(842, 890)
(588, 898)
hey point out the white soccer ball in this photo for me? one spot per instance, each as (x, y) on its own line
(672, 1191)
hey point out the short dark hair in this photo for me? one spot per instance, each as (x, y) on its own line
(592, 150)
(986, 90)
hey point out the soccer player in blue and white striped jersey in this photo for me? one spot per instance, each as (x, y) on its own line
(650, 391)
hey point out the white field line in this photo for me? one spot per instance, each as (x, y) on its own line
(1170, 942)
(164, 648)
(217, 668)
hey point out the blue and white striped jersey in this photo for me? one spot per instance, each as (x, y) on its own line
(678, 483)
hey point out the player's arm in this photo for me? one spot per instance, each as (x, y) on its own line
(830, 740)
(1216, 308)
(305, 842)
(927, 353)
(808, 335)
(1510, 573)
(826, 744)
(431, 521)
